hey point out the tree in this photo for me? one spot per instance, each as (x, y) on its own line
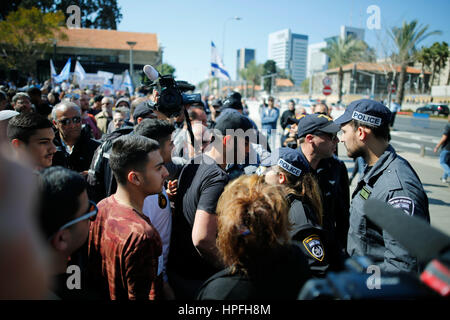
(97, 14)
(26, 35)
(342, 51)
(166, 69)
(424, 58)
(406, 38)
(269, 67)
(439, 56)
(252, 73)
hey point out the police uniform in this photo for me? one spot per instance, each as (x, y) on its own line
(390, 179)
(332, 176)
(305, 230)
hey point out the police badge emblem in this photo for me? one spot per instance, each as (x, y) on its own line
(314, 246)
(162, 201)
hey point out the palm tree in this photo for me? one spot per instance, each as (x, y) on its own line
(406, 38)
(344, 51)
(439, 56)
(252, 73)
(424, 57)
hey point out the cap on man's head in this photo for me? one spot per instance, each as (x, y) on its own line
(234, 101)
(8, 114)
(311, 123)
(233, 121)
(289, 159)
(143, 109)
(366, 111)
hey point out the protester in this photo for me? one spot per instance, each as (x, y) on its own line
(125, 250)
(157, 207)
(42, 107)
(87, 118)
(388, 177)
(21, 102)
(193, 256)
(31, 136)
(64, 215)
(104, 117)
(24, 263)
(253, 242)
(75, 147)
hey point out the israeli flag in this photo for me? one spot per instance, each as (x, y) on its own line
(127, 83)
(65, 73)
(217, 67)
(52, 70)
(79, 72)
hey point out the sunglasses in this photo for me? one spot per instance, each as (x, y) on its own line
(67, 121)
(91, 215)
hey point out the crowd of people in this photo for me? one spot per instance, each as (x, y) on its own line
(150, 207)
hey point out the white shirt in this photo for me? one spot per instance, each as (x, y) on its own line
(161, 220)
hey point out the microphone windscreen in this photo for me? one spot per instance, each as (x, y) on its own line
(151, 72)
(415, 234)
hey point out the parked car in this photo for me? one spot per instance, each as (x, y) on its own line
(435, 109)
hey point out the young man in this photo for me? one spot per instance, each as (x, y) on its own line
(125, 251)
(157, 207)
(31, 136)
(64, 215)
(317, 141)
(387, 177)
(193, 254)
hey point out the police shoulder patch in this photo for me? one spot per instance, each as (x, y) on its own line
(314, 246)
(404, 203)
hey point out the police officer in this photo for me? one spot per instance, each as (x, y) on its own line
(286, 167)
(387, 177)
(317, 144)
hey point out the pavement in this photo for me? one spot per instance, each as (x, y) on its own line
(427, 167)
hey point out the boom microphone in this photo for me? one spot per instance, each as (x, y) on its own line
(417, 236)
(151, 72)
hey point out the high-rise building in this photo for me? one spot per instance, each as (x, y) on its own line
(289, 51)
(357, 33)
(317, 60)
(243, 57)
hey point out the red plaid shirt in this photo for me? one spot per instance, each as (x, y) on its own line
(124, 248)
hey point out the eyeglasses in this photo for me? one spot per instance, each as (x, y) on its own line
(67, 121)
(91, 215)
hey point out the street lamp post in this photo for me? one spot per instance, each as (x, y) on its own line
(223, 40)
(223, 36)
(131, 44)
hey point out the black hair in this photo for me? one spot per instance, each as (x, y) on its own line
(381, 132)
(130, 152)
(33, 91)
(156, 129)
(24, 125)
(59, 190)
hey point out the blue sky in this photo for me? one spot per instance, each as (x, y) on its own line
(185, 28)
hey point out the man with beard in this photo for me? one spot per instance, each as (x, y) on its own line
(75, 147)
(387, 177)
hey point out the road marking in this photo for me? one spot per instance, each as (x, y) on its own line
(415, 136)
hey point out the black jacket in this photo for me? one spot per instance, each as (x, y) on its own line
(80, 158)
